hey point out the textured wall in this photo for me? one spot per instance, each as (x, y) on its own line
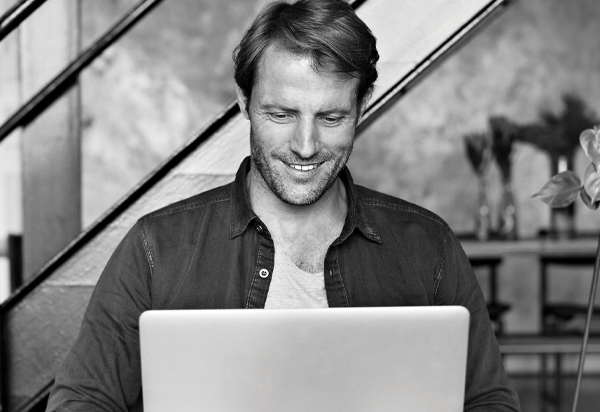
(146, 96)
(523, 62)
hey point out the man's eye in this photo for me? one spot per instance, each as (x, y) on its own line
(280, 117)
(331, 120)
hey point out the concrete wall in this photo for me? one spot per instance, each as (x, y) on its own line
(10, 153)
(146, 96)
(149, 93)
(522, 63)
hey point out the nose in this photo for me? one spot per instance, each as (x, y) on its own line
(305, 142)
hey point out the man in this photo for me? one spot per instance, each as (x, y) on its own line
(292, 230)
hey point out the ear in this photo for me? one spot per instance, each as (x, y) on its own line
(242, 102)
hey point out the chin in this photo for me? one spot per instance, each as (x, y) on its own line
(305, 197)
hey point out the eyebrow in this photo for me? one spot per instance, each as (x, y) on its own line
(344, 111)
(273, 106)
(337, 110)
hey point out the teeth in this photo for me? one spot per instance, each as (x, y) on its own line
(303, 168)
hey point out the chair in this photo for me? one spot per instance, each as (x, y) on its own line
(557, 319)
(496, 309)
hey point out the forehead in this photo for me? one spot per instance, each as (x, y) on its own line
(283, 75)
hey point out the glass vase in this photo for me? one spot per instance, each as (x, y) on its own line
(562, 219)
(508, 210)
(482, 216)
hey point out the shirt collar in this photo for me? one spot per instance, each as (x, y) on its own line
(241, 212)
(357, 217)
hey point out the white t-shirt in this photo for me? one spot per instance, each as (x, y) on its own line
(291, 287)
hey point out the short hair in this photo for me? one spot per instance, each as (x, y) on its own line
(327, 31)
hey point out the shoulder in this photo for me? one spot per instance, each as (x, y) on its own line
(387, 207)
(188, 212)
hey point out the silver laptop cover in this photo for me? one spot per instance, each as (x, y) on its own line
(350, 359)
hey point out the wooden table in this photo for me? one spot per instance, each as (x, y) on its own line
(521, 275)
(578, 247)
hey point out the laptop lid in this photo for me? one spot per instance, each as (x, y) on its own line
(342, 359)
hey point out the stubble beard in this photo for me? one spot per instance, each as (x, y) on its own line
(284, 191)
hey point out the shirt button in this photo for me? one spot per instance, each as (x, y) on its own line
(259, 229)
(264, 273)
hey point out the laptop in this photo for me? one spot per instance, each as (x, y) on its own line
(305, 360)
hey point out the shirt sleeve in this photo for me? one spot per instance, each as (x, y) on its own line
(487, 386)
(102, 370)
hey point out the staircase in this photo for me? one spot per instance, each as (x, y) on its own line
(41, 320)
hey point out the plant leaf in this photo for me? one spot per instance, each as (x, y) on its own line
(561, 190)
(591, 182)
(588, 201)
(590, 142)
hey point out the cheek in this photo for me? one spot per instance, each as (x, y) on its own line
(271, 134)
(339, 139)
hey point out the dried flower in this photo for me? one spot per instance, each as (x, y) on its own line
(479, 151)
(556, 134)
(504, 133)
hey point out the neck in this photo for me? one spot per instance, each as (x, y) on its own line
(329, 212)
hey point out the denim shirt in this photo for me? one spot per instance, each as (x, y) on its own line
(211, 251)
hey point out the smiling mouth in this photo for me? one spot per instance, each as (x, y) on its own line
(303, 168)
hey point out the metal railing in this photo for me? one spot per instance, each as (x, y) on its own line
(63, 81)
(433, 60)
(37, 104)
(16, 15)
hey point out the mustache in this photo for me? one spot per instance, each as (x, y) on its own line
(293, 158)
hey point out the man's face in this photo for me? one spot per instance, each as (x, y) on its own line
(302, 126)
